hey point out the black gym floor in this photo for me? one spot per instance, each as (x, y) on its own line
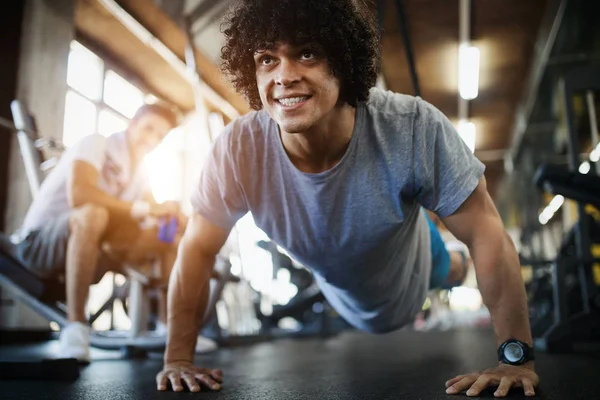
(401, 365)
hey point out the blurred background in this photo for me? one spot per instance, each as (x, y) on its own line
(494, 67)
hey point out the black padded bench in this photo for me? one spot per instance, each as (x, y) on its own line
(44, 295)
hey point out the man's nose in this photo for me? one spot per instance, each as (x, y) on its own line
(287, 73)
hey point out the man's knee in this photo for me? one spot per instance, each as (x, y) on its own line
(89, 220)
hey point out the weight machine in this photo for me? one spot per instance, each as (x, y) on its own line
(572, 323)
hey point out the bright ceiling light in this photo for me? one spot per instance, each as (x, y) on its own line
(467, 132)
(546, 216)
(556, 203)
(584, 168)
(468, 70)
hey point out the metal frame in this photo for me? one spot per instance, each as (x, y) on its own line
(204, 7)
(577, 81)
(551, 22)
(31, 156)
(403, 26)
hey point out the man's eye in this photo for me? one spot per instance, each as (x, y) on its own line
(266, 60)
(308, 55)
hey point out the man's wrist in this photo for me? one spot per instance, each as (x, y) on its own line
(178, 355)
(515, 352)
(529, 365)
(177, 360)
(140, 209)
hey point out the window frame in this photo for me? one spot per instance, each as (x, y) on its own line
(107, 65)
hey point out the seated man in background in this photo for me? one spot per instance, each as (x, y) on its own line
(89, 216)
(337, 173)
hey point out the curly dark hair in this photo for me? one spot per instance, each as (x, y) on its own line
(345, 29)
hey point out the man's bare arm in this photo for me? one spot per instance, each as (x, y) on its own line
(189, 286)
(82, 188)
(478, 224)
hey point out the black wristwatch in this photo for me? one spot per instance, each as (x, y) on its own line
(515, 352)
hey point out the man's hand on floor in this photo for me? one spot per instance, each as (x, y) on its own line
(179, 372)
(503, 376)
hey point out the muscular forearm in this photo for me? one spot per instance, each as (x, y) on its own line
(187, 301)
(90, 194)
(501, 286)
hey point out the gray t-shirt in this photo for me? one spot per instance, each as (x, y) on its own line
(358, 226)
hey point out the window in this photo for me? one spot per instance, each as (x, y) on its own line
(122, 95)
(98, 99)
(84, 72)
(110, 122)
(80, 116)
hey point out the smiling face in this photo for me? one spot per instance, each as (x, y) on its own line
(147, 131)
(296, 86)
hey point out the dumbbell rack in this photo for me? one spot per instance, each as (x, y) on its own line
(580, 331)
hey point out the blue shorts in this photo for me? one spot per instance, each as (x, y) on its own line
(440, 258)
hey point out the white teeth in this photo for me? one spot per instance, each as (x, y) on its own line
(291, 101)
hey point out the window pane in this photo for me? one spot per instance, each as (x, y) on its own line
(85, 71)
(80, 118)
(122, 95)
(109, 123)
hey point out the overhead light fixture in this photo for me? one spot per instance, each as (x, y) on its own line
(556, 203)
(468, 133)
(544, 218)
(468, 71)
(551, 209)
(584, 168)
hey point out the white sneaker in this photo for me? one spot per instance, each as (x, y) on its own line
(74, 342)
(205, 345)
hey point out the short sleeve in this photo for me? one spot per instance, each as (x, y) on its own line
(446, 172)
(91, 149)
(219, 196)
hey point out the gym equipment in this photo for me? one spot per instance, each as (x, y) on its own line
(245, 322)
(308, 307)
(47, 295)
(299, 276)
(543, 301)
(575, 302)
(566, 301)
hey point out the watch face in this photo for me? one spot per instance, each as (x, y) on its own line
(513, 352)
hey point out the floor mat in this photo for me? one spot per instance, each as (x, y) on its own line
(402, 365)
